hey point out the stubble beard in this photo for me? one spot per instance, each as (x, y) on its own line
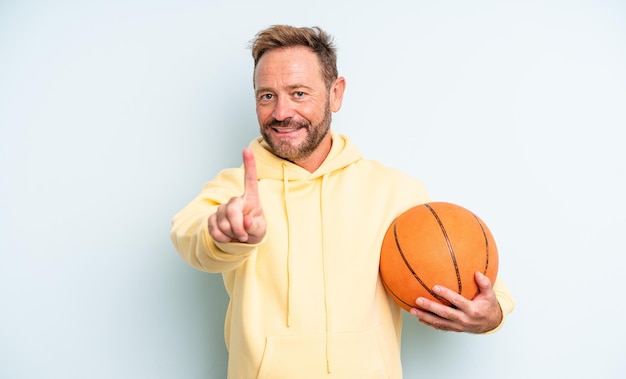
(295, 153)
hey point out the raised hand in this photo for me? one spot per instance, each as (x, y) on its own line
(241, 219)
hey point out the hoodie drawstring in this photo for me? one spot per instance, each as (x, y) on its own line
(324, 261)
(289, 244)
(325, 274)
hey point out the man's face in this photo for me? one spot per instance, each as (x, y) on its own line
(292, 103)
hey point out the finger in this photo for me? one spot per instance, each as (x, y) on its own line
(231, 220)
(251, 190)
(226, 224)
(433, 320)
(216, 233)
(249, 224)
(483, 282)
(445, 294)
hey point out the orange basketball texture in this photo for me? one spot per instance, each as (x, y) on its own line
(436, 243)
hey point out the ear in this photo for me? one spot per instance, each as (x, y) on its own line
(336, 93)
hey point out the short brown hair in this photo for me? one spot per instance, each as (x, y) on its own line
(280, 36)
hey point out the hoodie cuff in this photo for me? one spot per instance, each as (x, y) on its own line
(232, 248)
(506, 303)
(239, 248)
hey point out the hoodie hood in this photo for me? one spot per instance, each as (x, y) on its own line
(269, 166)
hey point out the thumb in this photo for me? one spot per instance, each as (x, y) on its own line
(483, 282)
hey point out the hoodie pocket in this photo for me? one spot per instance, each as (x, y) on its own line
(350, 355)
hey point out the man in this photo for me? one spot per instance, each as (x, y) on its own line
(296, 233)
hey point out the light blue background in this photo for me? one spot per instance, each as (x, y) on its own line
(114, 113)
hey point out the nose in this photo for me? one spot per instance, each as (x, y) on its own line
(283, 109)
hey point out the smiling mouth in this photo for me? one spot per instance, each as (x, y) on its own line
(287, 130)
(286, 126)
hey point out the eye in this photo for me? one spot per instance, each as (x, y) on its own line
(299, 94)
(265, 97)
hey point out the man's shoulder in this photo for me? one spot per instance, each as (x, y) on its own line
(227, 177)
(376, 167)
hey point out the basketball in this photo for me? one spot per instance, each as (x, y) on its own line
(436, 243)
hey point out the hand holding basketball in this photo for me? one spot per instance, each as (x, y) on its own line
(241, 219)
(438, 261)
(479, 315)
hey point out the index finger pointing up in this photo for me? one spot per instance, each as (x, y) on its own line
(251, 191)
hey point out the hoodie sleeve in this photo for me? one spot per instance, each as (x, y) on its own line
(505, 299)
(190, 228)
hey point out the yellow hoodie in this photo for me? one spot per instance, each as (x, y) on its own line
(307, 302)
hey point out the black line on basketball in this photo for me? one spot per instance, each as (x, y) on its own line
(408, 265)
(482, 228)
(389, 290)
(450, 249)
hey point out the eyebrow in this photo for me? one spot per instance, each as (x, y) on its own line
(290, 87)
